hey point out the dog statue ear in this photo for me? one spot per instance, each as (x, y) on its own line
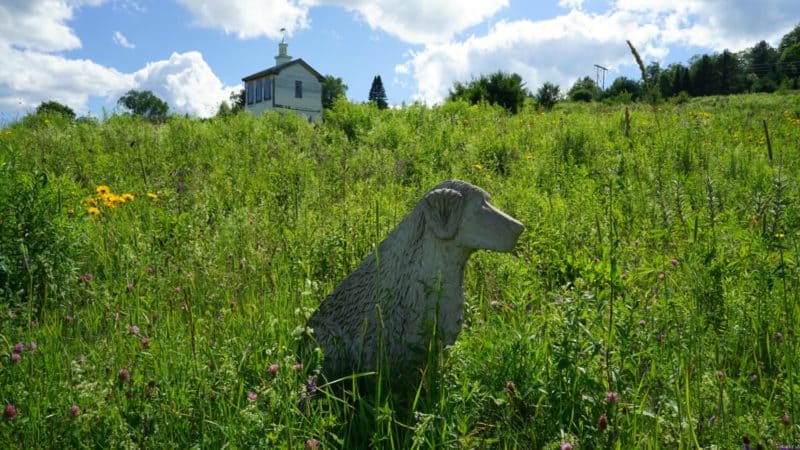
(442, 208)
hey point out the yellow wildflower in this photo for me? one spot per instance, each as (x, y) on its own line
(103, 189)
(91, 201)
(111, 200)
(152, 196)
(93, 211)
(780, 235)
(477, 166)
(127, 197)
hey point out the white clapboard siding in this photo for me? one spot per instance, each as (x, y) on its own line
(285, 89)
(283, 80)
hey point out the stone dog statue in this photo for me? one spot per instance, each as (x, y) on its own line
(385, 311)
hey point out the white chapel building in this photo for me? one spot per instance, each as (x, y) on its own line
(290, 85)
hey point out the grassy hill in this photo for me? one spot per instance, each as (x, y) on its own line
(155, 279)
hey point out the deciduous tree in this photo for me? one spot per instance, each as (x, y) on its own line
(332, 88)
(238, 99)
(145, 104)
(53, 107)
(625, 84)
(499, 88)
(584, 89)
(548, 95)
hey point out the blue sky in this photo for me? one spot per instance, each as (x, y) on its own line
(193, 53)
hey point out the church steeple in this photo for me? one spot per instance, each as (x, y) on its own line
(283, 56)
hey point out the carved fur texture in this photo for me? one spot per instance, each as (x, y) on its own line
(386, 310)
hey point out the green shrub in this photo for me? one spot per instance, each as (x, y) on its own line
(352, 119)
(683, 97)
(581, 95)
(548, 95)
(39, 239)
(573, 146)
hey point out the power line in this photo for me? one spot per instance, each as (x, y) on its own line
(597, 75)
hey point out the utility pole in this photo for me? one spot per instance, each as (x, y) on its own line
(599, 68)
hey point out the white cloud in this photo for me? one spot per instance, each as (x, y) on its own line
(249, 19)
(564, 48)
(422, 21)
(121, 40)
(31, 32)
(717, 24)
(37, 25)
(28, 78)
(185, 82)
(557, 50)
(414, 21)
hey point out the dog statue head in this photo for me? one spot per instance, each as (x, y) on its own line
(458, 211)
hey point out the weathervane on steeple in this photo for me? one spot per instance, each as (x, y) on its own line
(283, 56)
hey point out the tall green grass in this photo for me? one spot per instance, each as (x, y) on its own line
(656, 284)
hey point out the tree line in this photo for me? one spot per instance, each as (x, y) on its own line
(761, 68)
(144, 104)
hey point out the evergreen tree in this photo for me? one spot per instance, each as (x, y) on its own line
(672, 80)
(377, 94)
(703, 77)
(682, 82)
(731, 74)
(664, 83)
(761, 67)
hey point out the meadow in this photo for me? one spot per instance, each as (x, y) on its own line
(155, 279)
